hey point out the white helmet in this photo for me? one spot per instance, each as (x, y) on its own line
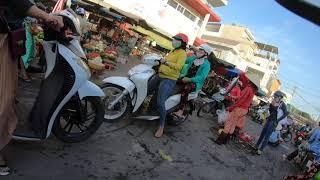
(80, 11)
(70, 19)
(206, 48)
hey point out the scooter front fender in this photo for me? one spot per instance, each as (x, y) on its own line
(90, 89)
(122, 82)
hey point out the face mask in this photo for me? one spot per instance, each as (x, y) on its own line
(200, 54)
(176, 43)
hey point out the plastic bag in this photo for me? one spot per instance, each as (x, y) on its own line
(222, 116)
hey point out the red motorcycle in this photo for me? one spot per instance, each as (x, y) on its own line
(300, 136)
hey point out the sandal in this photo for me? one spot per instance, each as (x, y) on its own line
(4, 170)
(179, 117)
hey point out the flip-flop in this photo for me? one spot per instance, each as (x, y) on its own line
(4, 170)
(179, 117)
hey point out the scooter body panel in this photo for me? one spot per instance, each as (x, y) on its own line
(141, 82)
(90, 89)
(174, 100)
(81, 77)
(50, 51)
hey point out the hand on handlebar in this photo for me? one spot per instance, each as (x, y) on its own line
(55, 21)
(185, 80)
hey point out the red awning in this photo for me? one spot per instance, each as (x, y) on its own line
(198, 41)
(203, 9)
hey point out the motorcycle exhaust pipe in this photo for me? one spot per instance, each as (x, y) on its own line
(124, 93)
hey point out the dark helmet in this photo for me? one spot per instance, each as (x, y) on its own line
(279, 94)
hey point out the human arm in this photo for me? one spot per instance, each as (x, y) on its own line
(185, 68)
(179, 63)
(55, 21)
(235, 93)
(202, 74)
(19, 7)
(312, 138)
(285, 112)
(246, 93)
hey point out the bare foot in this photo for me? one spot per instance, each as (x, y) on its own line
(159, 132)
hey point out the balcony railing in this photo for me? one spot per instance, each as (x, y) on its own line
(267, 56)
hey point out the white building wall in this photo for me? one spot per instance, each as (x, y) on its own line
(159, 15)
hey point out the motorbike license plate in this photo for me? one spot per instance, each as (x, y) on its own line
(300, 138)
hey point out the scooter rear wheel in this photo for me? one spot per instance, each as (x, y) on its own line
(75, 123)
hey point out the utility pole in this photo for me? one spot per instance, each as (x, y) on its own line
(292, 95)
(294, 90)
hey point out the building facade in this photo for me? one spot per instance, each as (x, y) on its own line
(237, 45)
(169, 17)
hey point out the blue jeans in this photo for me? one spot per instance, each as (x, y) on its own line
(165, 89)
(267, 130)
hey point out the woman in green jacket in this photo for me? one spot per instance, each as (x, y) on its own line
(193, 75)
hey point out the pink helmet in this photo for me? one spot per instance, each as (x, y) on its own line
(182, 37)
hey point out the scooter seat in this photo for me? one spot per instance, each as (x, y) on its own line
(177, 91)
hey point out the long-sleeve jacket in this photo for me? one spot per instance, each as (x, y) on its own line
(17, 7)
(245, 99)
(201, 75)
(175, 62)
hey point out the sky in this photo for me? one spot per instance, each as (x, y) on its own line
(298, 41)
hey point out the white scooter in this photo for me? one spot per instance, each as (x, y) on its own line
(65, 102)
(125, 95)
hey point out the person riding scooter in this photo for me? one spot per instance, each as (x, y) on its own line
(169, 73)
(193, 75)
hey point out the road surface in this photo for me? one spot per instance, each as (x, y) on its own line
(127, 150)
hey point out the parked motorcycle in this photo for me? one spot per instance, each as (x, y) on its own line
(300, 136)
(126, 95)
(65, 102)
(215, 102)
(259, 113)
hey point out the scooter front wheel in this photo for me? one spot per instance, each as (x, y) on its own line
(79, 119)
(121, 109)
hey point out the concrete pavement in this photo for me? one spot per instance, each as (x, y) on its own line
(127, 150)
